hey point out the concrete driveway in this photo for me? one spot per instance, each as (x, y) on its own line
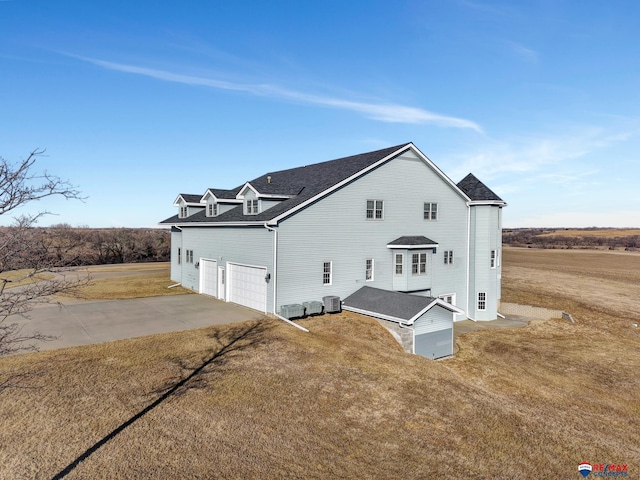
(104, 321)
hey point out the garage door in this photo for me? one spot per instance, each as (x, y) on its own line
(247, 286)
(433, 333)
(209, 277)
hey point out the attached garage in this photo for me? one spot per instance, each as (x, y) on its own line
(247, 285)
(429, 319)
(209, 277)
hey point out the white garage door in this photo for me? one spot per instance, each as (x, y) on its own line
(247, 286)
(209, 277)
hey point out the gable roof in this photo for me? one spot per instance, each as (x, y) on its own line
(395, 306)
(476, 190)
(301, 184)
(188, 198)
(221, 194)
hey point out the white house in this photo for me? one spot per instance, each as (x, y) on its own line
(389, 220)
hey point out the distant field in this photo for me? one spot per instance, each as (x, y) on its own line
(344, 401)
(599, 232)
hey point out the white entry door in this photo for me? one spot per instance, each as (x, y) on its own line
(247, 286)
(209, 277)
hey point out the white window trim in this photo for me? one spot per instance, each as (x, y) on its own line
(395, 264)
(493, 259)
(375, 210)
(252, 208)
(330, 272)
(184, 212)
(179, 256)
(452, 295)
(430, 211)
(212, 209)
(366, 272)
(482, 301)
(426, 261)
(448, 257)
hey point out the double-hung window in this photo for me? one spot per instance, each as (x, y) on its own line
(213, 210)
(448, 257)
(493, 259)
(188, 256)
(184, 211)
(326, 273)
(419, 264)
(430, 211)
(399, 263)
(252, 207)
(375, 209)
(368, 271)
(482, 301)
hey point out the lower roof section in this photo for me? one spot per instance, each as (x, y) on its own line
(389, 305)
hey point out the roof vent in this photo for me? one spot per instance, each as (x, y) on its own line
(269, 179)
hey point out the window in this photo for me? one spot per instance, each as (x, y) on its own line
(252, 207)
(448, 257)
(184, 212)
(326, 273)
(430, 211)
(419, 264)
(482, 301)
(399, 262)
(493, 259)
(450, 298)
(375, 209)
(368, 273)
(213, 210)
(179, 255)
(188, 256)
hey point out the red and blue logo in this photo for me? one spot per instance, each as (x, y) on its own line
(604, 469)
(585, 469)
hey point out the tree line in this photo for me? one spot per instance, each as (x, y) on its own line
(63, 245)
(539, 238)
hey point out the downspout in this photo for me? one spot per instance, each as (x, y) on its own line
(275, 265)
(275, 276)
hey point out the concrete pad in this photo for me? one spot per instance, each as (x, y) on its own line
(104, 321)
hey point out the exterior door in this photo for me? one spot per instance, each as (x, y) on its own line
(209, 277)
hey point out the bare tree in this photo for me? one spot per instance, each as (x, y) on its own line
(29, 273)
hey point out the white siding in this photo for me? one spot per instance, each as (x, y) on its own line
(336, 229)
(435, 319)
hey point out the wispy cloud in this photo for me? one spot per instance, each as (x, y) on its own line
(531, 155)
(523, 52)
(381, 111)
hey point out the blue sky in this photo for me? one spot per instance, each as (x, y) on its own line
(136, 102)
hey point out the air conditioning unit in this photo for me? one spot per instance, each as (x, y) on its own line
(331, 304)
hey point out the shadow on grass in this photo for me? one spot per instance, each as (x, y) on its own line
(235, 339)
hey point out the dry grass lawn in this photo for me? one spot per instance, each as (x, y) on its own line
(598, 232)
(269, 401)
(123, 281)
(17, 278)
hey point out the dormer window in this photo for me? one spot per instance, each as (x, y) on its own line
(212, 210)
(252, 206)
(184, 212)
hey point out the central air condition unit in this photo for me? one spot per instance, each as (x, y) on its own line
(331, 304)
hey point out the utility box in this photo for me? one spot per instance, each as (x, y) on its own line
(293, 310)
(313, 308)
(332, 304)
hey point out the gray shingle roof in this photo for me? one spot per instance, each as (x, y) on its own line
(476, 190)
(225, 194)
(191, 197)
(302, 183)
(399, 305)
(412, 241)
